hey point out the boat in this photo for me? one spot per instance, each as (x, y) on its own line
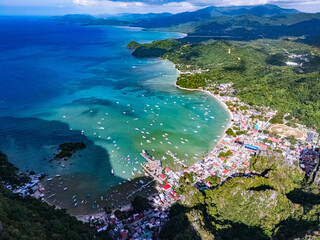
(112, 171)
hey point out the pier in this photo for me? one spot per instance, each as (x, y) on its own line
(151, 174)
(176, 159)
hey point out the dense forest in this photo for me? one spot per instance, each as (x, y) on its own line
(29, 218)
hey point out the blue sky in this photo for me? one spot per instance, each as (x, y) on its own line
(59, 7)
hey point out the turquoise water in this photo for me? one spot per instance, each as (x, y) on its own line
(62, 83)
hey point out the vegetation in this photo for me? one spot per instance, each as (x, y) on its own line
(139, 204)
(225, 154)
(257, 79)
(133, 45)
(278, 204)
(29, 218)
(214, 180)
(66, 149)
(155, 49)
(278, 118)
(9, 173)
(187, 178)
(230, 132)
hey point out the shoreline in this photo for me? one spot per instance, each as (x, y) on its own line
(229, 124)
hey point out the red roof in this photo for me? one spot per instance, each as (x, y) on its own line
(166, 187)
(163, 177)
(261, 146)
(225, 171)
(274, 140)
(238, 139)
(222, 158)
(173, 193)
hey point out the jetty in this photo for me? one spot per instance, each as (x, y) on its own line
(176, 158)
(152, 167)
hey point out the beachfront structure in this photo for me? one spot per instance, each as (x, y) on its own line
(251, 147)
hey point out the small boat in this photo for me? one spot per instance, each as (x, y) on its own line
(112, 171)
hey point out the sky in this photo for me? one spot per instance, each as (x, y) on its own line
(111, 7)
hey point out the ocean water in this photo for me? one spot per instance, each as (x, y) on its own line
(65, 83)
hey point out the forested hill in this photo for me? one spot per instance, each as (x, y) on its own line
(242, 23)
(259, 70)
(208, 13)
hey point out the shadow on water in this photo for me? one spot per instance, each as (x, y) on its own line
(84, 184)
(32, 143)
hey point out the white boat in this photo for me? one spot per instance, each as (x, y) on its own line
(112, 171)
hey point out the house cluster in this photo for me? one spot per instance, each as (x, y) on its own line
(309, 158)
(32, 188)
(138, 226)
(234, 150)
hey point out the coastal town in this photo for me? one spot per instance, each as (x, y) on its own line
(251, 131)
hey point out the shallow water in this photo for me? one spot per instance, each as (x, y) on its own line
(65, 83)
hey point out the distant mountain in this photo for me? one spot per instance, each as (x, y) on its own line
(229, 23)
(244, 28)
(135, 18)
(85, 19)
(209, 12)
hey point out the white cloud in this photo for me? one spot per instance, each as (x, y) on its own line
(141, 6)
(145, 6)
(114, 7)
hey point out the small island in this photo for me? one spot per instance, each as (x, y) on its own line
(67, 149)
(133, 45)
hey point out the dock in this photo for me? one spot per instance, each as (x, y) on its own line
(176, 159)
(146, 156)
(151, 174)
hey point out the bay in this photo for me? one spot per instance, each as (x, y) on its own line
(66, 83)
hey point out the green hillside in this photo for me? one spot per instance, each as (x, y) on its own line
(258, 70)
(278, 205)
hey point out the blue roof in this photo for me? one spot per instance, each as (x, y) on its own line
(252, 147)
